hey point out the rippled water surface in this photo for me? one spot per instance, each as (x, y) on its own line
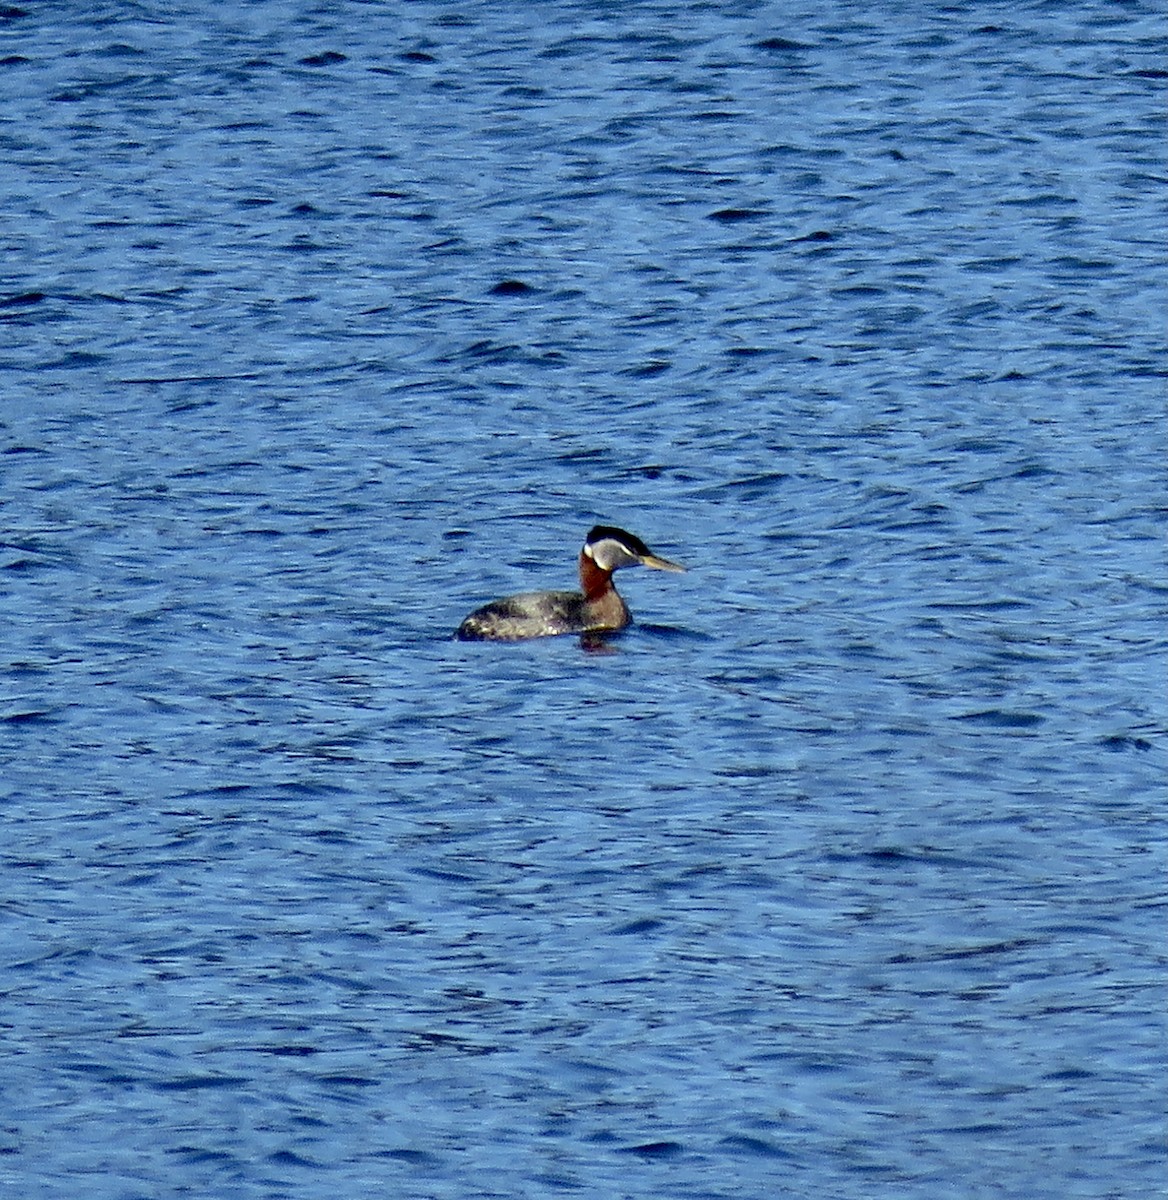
(841, 873)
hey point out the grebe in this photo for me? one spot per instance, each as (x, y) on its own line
(596, 608)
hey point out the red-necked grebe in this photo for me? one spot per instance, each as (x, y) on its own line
(596, 608)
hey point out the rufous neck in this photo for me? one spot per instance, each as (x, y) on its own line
(594, 580)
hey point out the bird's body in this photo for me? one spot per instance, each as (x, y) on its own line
(596, 608)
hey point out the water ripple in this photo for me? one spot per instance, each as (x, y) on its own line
(841, 871)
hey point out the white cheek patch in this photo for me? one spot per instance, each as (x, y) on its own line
(608, 554)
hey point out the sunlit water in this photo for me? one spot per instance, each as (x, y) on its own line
(842, 873)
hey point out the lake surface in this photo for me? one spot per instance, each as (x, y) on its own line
(842, 872)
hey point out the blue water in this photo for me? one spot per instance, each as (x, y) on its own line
(842, 873)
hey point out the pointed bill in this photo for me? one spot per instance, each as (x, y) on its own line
(660, 564)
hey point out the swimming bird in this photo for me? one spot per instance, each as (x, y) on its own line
(596, 608)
